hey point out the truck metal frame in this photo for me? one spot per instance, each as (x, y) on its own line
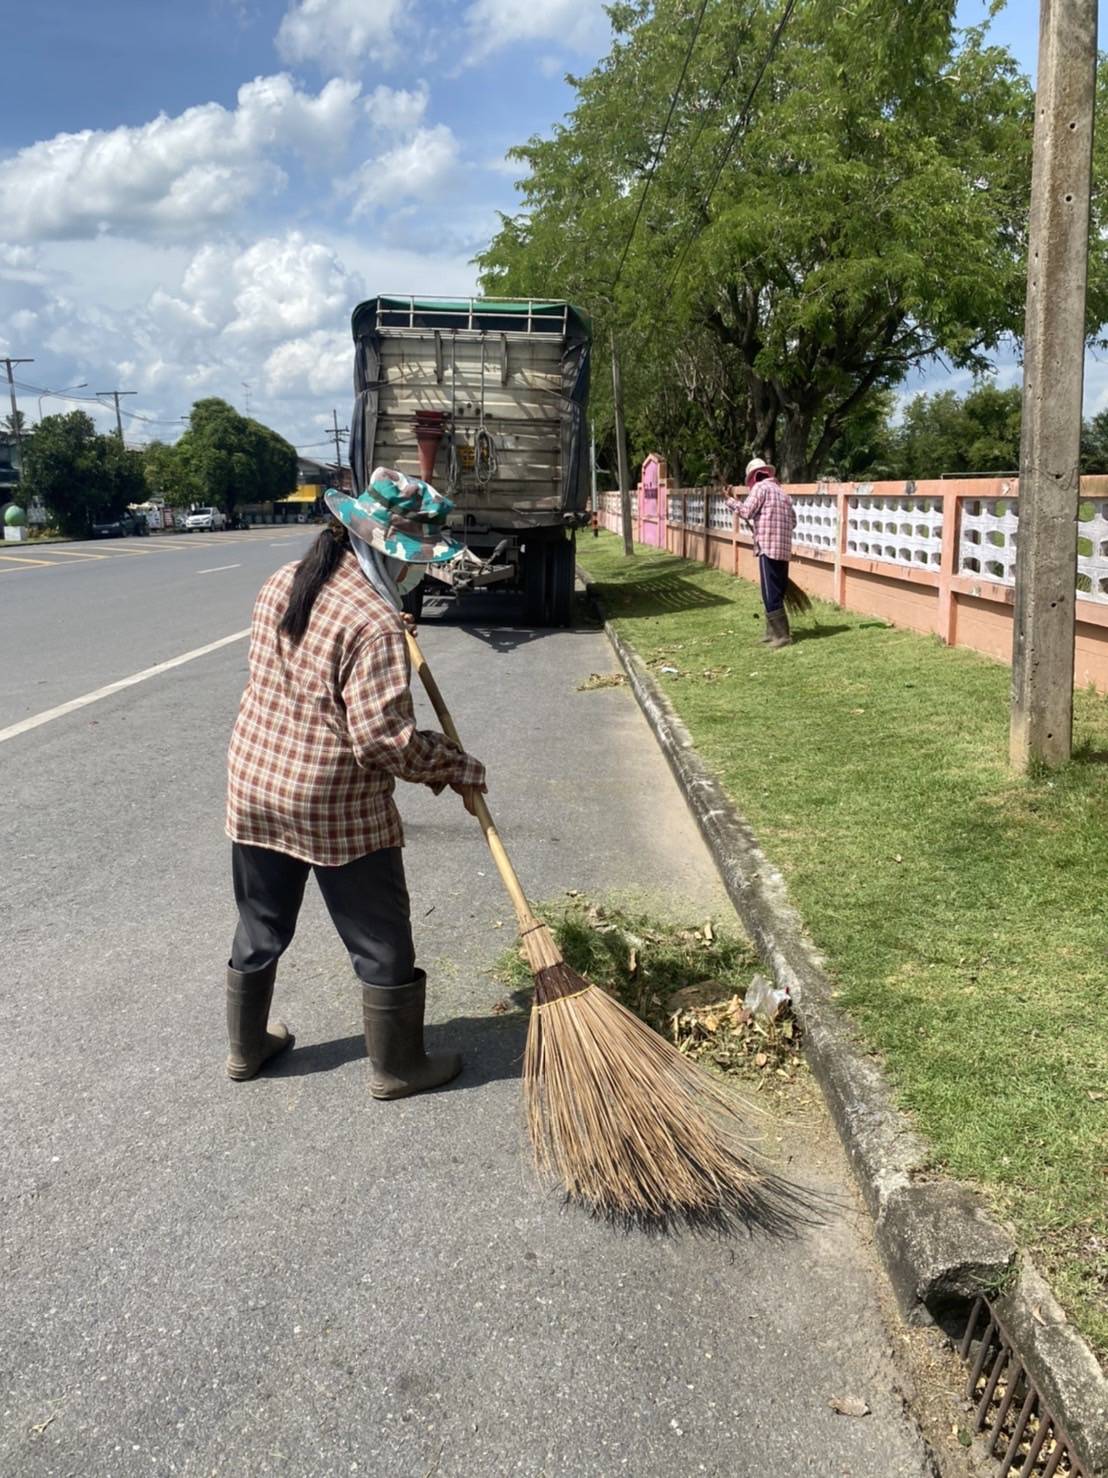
(504, 382)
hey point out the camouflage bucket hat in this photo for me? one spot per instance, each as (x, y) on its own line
(401, 516)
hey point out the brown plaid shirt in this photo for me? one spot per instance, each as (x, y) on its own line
(326, 727)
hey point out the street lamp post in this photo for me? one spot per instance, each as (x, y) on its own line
(47, 393)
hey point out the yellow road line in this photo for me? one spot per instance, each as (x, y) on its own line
(24, 559)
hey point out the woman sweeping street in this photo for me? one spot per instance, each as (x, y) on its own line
(325, 729)
(769, 511)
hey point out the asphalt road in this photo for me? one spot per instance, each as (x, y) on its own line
(287, 1277)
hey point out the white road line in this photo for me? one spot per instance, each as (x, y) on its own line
(124, 682)
(215, 569)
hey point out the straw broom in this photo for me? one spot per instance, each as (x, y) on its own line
(631, 1128)
(797, 602)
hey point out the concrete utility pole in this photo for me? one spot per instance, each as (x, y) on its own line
(115, 394)
(15, 409)
(1053, 378)
(338, 433)
(621, 455)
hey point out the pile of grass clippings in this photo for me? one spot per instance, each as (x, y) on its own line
(688, 982)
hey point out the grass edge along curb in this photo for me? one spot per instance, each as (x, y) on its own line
(940, 1245)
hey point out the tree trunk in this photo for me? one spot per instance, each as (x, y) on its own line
(793, 434)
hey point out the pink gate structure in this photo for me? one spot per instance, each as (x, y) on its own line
(652, 488)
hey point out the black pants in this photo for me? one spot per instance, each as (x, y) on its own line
(774, 575)
(367, 900)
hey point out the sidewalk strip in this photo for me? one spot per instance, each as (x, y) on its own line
(26, 724)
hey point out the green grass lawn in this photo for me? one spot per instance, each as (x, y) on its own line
(961, 908)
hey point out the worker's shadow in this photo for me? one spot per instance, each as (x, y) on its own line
(492, 1047)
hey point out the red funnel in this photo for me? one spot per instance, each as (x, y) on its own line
(429, 429)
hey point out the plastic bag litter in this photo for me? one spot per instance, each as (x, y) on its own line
(763, 999)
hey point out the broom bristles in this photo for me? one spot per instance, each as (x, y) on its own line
(631, 1128)
(796, 600)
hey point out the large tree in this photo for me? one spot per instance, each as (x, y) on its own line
(79, 475)
(223, 459)
(867, 213)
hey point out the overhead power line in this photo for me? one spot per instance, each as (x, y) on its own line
(95, 400)
(661, 142)
(739, 126)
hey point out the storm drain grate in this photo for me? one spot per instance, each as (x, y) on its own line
(1019, 1426)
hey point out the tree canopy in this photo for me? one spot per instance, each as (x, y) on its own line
(223, 459)
(79, 475)
(800, 253)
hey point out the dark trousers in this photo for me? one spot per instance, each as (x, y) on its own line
(774, 574)
(367, 900)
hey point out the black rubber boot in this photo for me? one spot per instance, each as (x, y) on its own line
(779, 629)
(767, 635)
(248, 1000)
(393, 1017)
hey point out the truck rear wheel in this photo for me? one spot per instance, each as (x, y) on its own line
(549, 566)
(534, 582)
(560, 579)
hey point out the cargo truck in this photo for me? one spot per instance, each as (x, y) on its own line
(487, 399)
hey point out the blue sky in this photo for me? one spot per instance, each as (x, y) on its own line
(193, 197)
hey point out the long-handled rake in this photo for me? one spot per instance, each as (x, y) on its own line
(629, 1126)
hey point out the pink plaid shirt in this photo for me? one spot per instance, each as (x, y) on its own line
(769, 511)
(326, 727)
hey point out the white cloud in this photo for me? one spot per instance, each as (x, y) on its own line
(419, 169)
(314, 364)
(394, 108)
(495, 24)
(511, 169)
(339, 34)
(172, 177)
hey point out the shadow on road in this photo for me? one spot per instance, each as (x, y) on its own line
(492, 1047)
(497, 620)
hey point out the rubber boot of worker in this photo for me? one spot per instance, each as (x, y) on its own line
(780, 636)
(767, 635)
(253, 1040)
(393, 1017)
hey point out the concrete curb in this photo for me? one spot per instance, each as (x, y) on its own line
(940, 1245)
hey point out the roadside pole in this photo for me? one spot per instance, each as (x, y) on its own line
(15, 408)
(115, 394)
(592, 476)
(1041, 728)
(621, 455)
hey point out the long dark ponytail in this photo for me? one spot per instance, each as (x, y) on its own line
(312, 574)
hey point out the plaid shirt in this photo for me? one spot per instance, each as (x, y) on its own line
(326, 726)
(769, 511)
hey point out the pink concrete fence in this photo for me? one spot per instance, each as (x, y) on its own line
(935, 557)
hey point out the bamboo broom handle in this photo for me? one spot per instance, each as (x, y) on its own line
(527, 919)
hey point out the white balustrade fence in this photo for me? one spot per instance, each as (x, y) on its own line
(899, 531)
(1092, 549)
(817, 521)
(987, 538)
(720, 517)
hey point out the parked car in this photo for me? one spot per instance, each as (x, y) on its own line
(210, 519)
(119, 525)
